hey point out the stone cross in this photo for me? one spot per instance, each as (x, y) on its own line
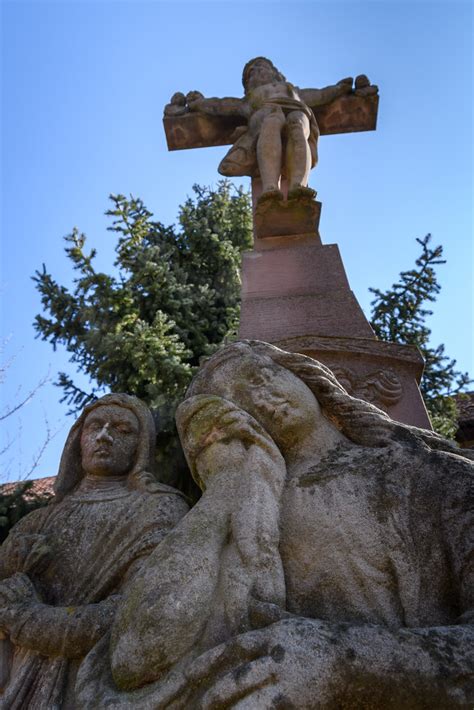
(274, 131)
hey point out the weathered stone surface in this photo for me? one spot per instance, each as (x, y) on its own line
(360, 359)
(347, 114)
(294, 270)
(274, 128)
(198, 130)
(328, 563)
(277, 217)
(335, 312)
(64, 567)
(298, 289)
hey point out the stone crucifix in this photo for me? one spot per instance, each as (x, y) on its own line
(274, 131)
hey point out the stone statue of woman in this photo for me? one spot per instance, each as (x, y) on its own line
(328, 563)
(64, 567)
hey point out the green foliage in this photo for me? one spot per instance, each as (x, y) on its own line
(398, 316)
(18, 502)
(175, 297)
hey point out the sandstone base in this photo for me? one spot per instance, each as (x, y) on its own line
(280, 218)
(384, 374)
(296, 289)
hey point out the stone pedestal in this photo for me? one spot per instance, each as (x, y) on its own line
(298, 290)
(295, 294)
(385, 374)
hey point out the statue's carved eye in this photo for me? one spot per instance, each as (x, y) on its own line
(94, 426)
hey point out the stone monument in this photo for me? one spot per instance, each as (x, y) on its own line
(295, 292)
(65, 567)
(328, 563)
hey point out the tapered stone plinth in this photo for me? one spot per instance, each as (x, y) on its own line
(298, 290)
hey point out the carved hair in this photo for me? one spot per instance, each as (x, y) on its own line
(140, 476)
(361, 422)
(257, 60)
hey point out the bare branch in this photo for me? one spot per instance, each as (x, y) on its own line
(22, 472)
(26, 399)
(39, 453)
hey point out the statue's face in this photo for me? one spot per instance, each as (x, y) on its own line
(277, 398)
(109, 441)
(261, 73)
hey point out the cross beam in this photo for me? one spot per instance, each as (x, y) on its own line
(347, 114)
(274, 130)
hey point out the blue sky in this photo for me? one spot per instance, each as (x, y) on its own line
(83, 89)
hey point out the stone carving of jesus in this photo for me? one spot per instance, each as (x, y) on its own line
(281, 133)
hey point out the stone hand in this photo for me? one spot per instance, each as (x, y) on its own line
(346, 84)
(192, 96)
(27, 553)
(306, 663)
(233, 442)
(363, 87)
(205, 421)
(15, 592)
(180, 104)
(177, 105)
(238, 424)
(264, 614)
(263, 668)
(17, 589)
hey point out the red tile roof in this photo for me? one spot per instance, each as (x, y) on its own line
(40, 486)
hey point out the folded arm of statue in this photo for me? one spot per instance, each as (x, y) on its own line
(233, 457)
(194, 101)
(227, 106)
(197, 588)
(49, 630)
(320, 97)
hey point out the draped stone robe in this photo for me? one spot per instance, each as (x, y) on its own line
(379, 539)
(98, 538)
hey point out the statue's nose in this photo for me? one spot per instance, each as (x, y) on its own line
(104, 433)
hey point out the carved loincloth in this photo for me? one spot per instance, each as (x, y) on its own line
(241, 159)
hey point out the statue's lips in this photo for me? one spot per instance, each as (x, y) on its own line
(102, 451)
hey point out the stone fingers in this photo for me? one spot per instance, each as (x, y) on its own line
(237, 685)
(245, 647)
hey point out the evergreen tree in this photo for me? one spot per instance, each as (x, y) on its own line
(174, 298)
(398, 316)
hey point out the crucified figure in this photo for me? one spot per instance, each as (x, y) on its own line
(279, 134)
